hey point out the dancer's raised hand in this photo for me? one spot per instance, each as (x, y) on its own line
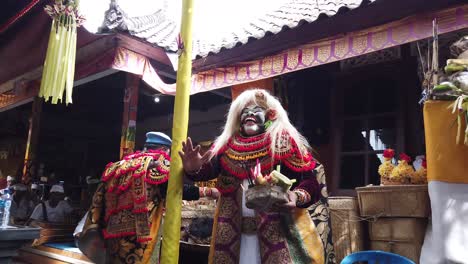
(192, 159)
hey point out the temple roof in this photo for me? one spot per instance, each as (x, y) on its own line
(217, 25)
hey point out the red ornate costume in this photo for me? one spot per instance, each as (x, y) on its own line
(129, 220)
(284, 236)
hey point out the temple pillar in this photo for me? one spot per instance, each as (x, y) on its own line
(130, 100)
(31, 143)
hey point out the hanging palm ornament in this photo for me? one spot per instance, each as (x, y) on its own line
(59, 65)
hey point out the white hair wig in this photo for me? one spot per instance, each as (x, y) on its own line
(282, 125)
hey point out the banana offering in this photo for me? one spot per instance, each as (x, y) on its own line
(281, 180)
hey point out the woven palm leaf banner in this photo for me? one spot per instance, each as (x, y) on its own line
(59, 65)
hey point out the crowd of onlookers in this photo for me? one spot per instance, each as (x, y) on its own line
(35, 203)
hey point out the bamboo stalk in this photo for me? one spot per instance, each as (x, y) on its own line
(171, 231)
(435, 54)
(428, 57)
(421, 58)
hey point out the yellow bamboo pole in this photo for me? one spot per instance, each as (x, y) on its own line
(171, 229)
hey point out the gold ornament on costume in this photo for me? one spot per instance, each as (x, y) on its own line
(261, 100)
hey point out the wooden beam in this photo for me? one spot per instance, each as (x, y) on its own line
(28, 76)
(24, 93)
(143, 48)
(94, 77)
(16, 103)
(377, 13)
(95, 48)
(164, 70)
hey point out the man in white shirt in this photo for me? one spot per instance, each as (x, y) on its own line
(21, 206)
(56, 209)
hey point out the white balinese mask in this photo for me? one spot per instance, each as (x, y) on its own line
(252, 120)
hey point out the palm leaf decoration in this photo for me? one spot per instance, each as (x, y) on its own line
(59, 66)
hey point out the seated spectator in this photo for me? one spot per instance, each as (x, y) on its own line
(36, 193)
(54, 210)
(21, 205)
(10, 181)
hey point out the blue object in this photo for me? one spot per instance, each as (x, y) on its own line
(158, 138)
(2, 209)
(67, 246)
(6, 201)
(374, 257)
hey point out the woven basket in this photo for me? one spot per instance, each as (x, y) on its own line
(403, 236)
(263, 197)
(388, 181)
(394, 201)
(398, 229)
(346, 225)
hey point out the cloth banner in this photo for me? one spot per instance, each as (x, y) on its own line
(129, 61)
(333, 49)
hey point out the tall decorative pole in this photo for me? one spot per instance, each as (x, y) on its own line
(171, 231)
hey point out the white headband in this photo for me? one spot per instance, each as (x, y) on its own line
(20, 187)
(57, 188)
